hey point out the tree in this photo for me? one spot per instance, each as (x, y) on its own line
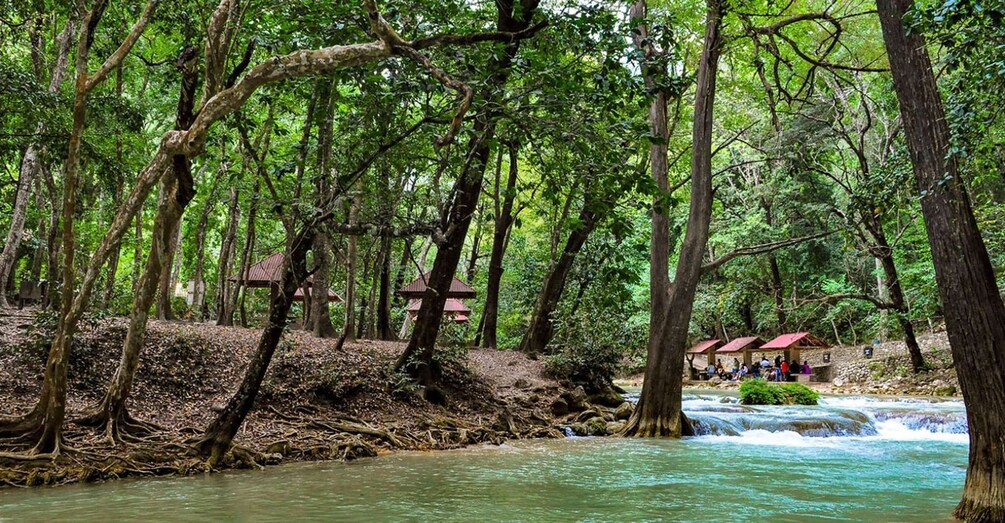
(658, 412)
(975, 313)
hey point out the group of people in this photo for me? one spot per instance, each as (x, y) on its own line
(780, 370)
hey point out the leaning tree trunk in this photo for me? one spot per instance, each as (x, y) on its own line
(974, 311)
(219, 436)
(199, 293)
(658, 413)
(504, 221)
(177, 190)
(44, 424)
(417, 358)
(541, 328)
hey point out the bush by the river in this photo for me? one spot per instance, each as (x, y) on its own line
(761, 392)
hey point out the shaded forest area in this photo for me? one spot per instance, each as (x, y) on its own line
(615, 180)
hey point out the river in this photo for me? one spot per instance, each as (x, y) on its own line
(849, 459)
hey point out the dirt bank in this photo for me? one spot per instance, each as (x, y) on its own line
(315, 404)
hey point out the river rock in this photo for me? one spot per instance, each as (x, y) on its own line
(614, 427)
(587, 415)
(559, 407)
(607, 398)
(596, 427)
(575, 399)
(714, 380)
(280, 447)
(624, 411)
(838, 382)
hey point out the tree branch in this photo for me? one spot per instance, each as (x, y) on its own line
(761, 249)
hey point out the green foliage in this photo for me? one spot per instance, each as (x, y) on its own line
(761, 392)
(592, 356)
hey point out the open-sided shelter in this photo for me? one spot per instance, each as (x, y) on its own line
(793, 344)
(705, 347)
(744, 346)
(454, 309)
(267, 273)
(417, 288)
(332, 297)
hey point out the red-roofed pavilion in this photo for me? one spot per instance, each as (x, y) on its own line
(745, 345)
(793, 343)
(417, 288)
(703, 347)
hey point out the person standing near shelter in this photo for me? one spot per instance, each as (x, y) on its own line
(783, 375)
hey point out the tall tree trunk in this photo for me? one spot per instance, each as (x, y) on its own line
(504, 221)
(349, 328)
(417, 358)
(384, 331)
(974, 311)
(319, 316)
(225, 314)
(777, 287)
(165, 288)
(659, 409)
(896, 294)
(540, 331)
(31, 162)
(219, 436)
(177, 190)
(113, 260)
(659, 247)
(239, 298)
(199, 293)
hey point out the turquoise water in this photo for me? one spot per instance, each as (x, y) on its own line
(906, 464)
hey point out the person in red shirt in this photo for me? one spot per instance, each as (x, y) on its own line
(784, 375)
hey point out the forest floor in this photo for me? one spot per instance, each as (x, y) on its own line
(315, 403)
(887, 372)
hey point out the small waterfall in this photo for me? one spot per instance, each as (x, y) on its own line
(936, 423)
(567, 430)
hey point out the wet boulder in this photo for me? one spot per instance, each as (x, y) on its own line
(614, 427)
(559, 407)
(587, 415)
(624, 411)
(575, 399)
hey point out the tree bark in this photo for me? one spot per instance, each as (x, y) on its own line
(319, 317)
(974, 311)
(504, 222)
(225, 314)
(177, 190)
(417, 358)
(540, 331)
(659, 246)
(658, 413)
(219, 436)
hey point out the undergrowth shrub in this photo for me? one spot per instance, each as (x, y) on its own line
(761, 392)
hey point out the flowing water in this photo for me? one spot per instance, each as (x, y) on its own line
(849, 459)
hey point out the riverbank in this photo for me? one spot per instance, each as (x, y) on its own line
(315, 404)
(888, 372)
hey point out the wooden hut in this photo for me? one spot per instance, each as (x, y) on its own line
(417, 288)
(267, 273)
(793, 344)
(332, 297)
(705, 347)
(454, 309)
(744, 346)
